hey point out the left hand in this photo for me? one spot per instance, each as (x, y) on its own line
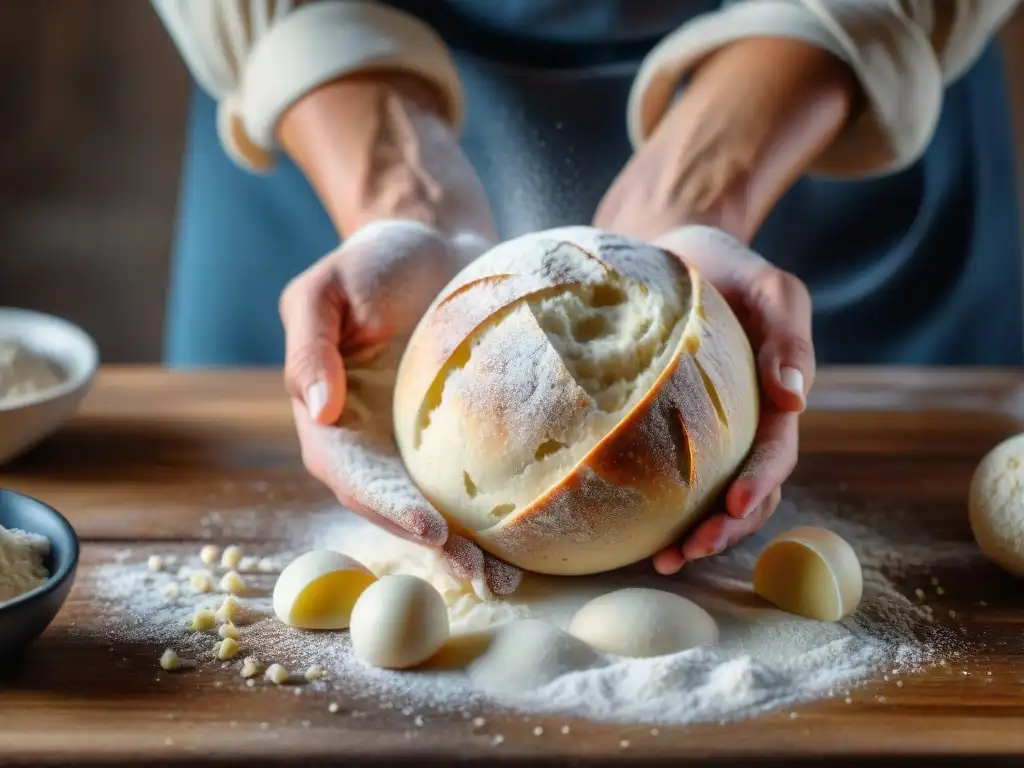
(774, 308)
(721, 156)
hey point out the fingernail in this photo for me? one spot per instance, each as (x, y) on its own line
(316, 399)
(792, 380)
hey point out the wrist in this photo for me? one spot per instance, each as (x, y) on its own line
(376, 147)
(752, 120)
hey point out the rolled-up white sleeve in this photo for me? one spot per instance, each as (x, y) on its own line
(903, 52)
(258, 57)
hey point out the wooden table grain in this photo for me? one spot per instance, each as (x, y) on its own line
(151, 452)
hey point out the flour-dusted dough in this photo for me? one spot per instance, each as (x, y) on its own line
(575, 400)
(639, 622)
(811, 572)
(399, 622)
(529, 654)
(996, 505)
(318, 589)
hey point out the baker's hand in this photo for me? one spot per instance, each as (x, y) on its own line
(774, 308)
(347, 319)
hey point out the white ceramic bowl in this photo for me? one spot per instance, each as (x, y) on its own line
(27, 421)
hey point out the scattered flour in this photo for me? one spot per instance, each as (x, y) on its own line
(21, 562)
(766, 659)
(24, 373)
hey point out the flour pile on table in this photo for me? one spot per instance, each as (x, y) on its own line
(766, 659)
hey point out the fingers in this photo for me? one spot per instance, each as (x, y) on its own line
(770, 463)
(781, 307)
(774, 305)
(721, 531)
(468, 562)
(311, 308)
(368, 479)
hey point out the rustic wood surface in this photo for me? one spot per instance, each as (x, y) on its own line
(151, 453)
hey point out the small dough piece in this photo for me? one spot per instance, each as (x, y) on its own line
(229, 609)
(995, 504)
(247, 564)
(231, 558)
(529, 654)
(228, 631)
(638, 623)
(201, 581)
(811, 572)
(277, 674)
(170, 661)
(266, 565)
(204, 620)
(226, 649)
(155, 563)
(232, 583)
(318, 589)
(172, 591)
(209, 554)
(398, 622)
(250, 667)
(315, 673)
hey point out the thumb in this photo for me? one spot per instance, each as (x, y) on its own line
(785, 358)
(312, 307)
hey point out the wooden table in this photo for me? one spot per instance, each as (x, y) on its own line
(152, 452)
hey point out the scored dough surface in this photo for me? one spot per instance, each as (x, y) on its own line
(573, 400)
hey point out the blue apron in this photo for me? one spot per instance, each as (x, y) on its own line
(921, 267)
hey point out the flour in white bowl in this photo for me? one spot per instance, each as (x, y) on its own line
(765, 659)
(21, 562)
(23, 372)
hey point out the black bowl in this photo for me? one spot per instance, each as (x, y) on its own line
(25, 617)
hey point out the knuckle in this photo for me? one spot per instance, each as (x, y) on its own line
(800, 349)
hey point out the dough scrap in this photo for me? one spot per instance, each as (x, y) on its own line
(811, 572)
(639, 622)
(317, 590)
(399, 622)
(995, 505)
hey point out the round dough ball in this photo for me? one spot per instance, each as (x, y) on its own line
(996, 505)
(640, 622)
(575, 400)
(529, 654)
(811, 572)
(317, 590)
(399, 622)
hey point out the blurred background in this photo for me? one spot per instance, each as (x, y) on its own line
(92, 116)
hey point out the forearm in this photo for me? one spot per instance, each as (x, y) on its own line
(376, 147)
(753, 119)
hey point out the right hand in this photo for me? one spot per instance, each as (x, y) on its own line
(347, 319)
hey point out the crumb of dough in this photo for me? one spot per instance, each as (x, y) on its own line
(171, 661)
(232, 583)
(201, 581)
(231, 557)
(226, 649)
(250, 666)
(209, 554)
(203, 621)
(155, 563)
(172, 591)
(228, 631)
(266, 565)
(277, 674)
(228, 610)
(315, 673)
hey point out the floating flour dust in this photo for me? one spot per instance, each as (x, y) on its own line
(765, 659)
